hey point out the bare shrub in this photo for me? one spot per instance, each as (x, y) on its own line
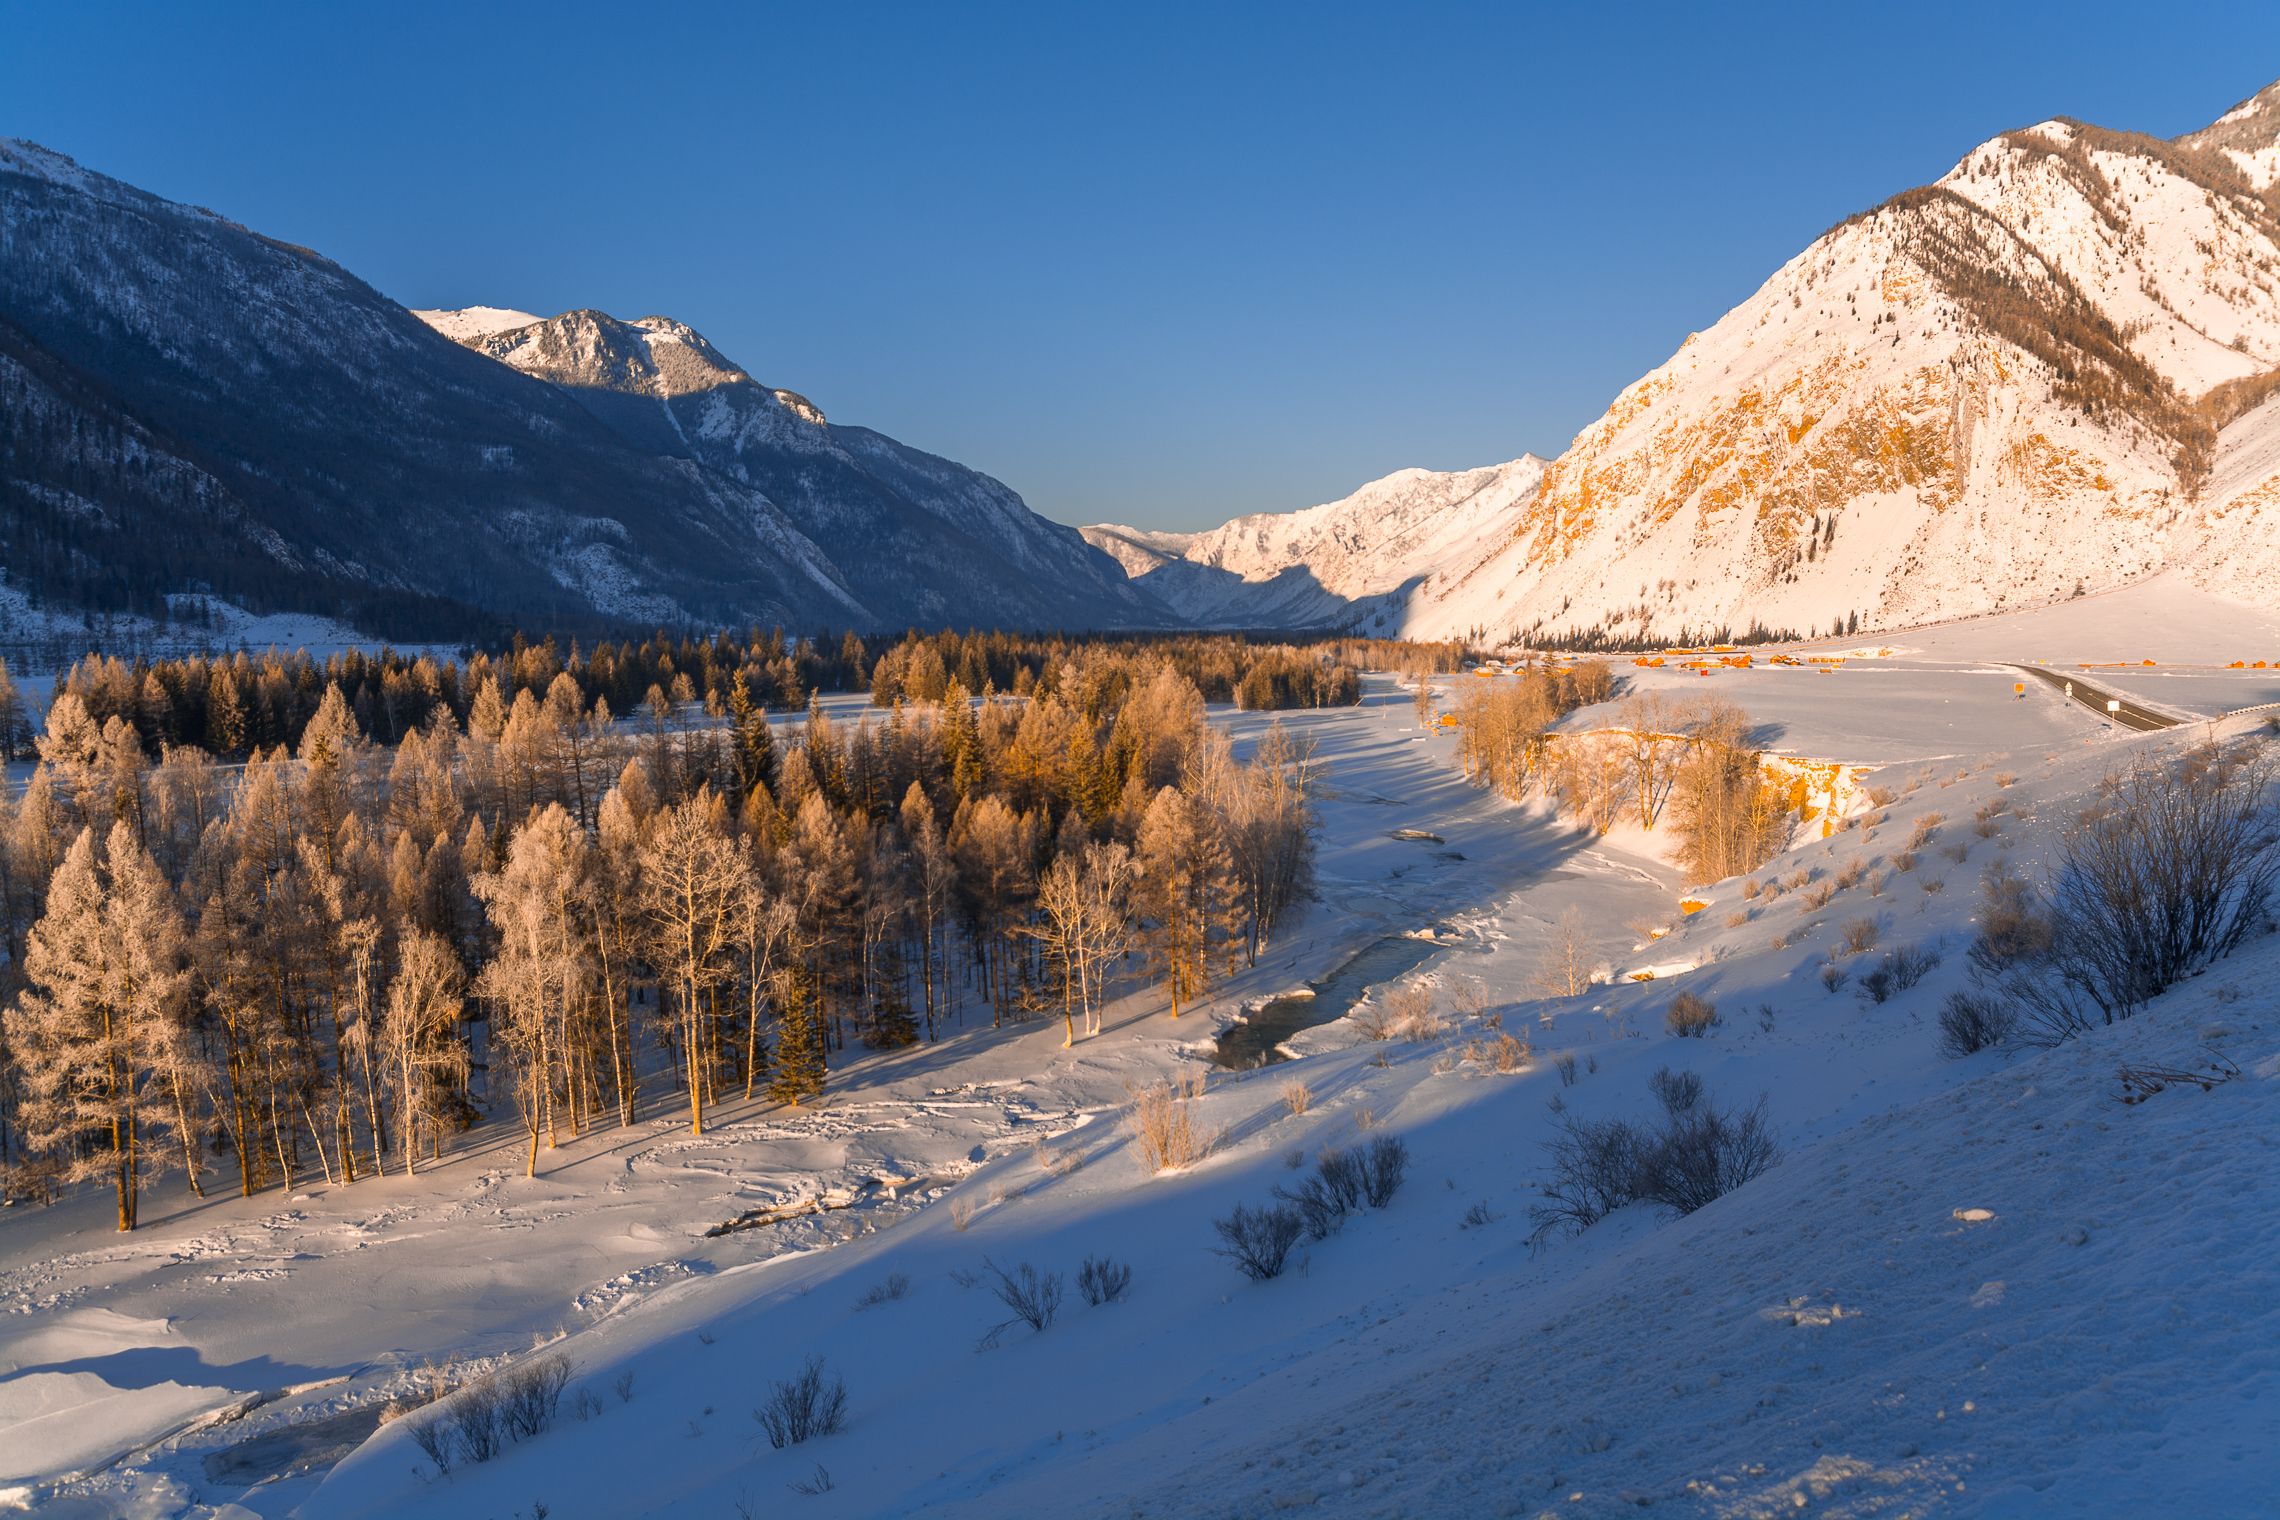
(1594, 1172)
(962, 1212)
(1565, 1065)
(1853, 873)
(2005, 778)
(1479, 1215)
(897, 1284)
(1705, 1153)
(1163, 1117)
(433, 1435)
(2012, 928)
(1750, 890)
(623, 1387)
(1297, 1097)
(1927, 824)
(1834, 975)
(1033, 1296)
(1468, 999)
(1737, 918)
(1933, 885)
(1409, 1014)
(1903, 860)
(1323, 1201)
(1691, 1016)
(1372, 1020)
(1911, 964)
(476, 1426)
(1959, 852)
(1258, 1241)
(530, 1394)
(1780, 941)
(1502, 1054)
(1974, 1021)
(1103, 1280)
(803, 1407)
(2169, 873)
(1875, 985)
(1818, 894)
(1882, 796)
(1857, 936)
(1384, 1163)
(1797, 878)
(1675, 1091)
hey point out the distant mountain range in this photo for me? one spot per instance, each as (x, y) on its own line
(2049, 371)
(187, 406)
(2053, 371)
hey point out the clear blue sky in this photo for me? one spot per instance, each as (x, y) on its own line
(1150, 263)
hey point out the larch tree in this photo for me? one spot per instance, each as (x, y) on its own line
(538, 977)
(419, 1037)
(691, 874)
(1185, 888)
(98, 1028)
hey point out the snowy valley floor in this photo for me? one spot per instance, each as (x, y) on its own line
(1972, 1287)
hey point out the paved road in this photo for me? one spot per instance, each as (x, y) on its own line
(2129, 714)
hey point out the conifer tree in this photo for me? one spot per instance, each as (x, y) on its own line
(798, 1071)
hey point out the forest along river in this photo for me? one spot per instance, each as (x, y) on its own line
(1257, 1041)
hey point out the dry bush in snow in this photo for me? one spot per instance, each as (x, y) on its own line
(1258, 1241)
(1705, 1153)
(1974, 1021)
(803, 1407)
(1297, 1097)
(1409, 1015)
(1856, 936)
(1165, 1123)
(1502, 1054)
(1691, 1016)
(1033, 1296)
(1103, 1280)
(2170, 872)
(894, 1287)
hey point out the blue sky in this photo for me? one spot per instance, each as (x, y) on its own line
(1159, 264)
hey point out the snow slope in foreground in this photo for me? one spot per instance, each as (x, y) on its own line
(1977, 1287)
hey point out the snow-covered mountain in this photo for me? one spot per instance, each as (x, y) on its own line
(2039, 375)
(1987, 392)
(190, 408)
(1361, 561)
(917, 538)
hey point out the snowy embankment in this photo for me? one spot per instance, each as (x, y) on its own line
(1984, 1286)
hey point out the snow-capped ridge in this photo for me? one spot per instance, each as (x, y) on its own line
(462, 323)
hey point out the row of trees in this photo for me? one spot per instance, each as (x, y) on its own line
(339, 956)
(1657, 760)
(231, 705)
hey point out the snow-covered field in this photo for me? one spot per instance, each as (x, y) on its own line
(1980, 1287)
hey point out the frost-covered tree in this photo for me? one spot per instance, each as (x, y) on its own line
(419, 1038)
(691, 875)
(537, 981)
(98, 1030)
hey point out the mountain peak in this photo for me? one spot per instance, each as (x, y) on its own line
(464, 323)
(2248, 135)
(650, 356)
